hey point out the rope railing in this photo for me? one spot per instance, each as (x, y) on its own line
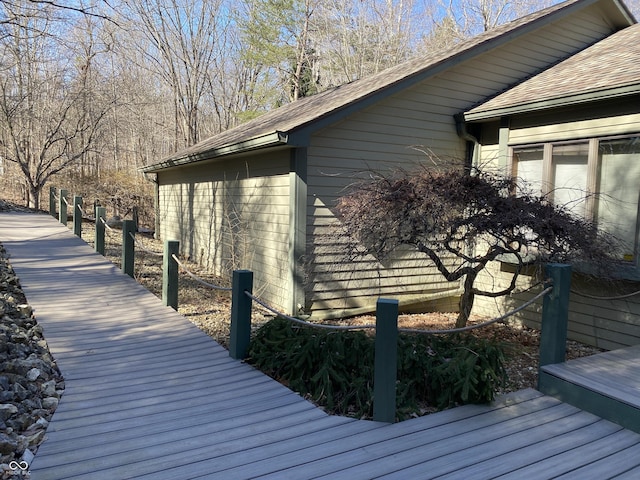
(483, 324)
(107, 226)
(197, 278)
(404, 330)
(143, 248)
(596, 297)
(304, 322)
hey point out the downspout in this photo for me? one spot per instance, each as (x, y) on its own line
(471, 160)
(473, 150)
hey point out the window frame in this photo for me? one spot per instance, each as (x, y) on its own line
(630, 269)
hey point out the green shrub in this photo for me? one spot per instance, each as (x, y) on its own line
(335, 368)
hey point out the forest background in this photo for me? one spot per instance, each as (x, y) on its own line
(90, 92)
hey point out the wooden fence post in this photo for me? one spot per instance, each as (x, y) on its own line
(52, 201)
(63, 207)
(555, 313)
(386, 361)
(240, 314)
(170, 274)
(128, 244)
(77, 216)
(101, 213)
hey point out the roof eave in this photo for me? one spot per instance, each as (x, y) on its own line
(587, 97)
(273, 139)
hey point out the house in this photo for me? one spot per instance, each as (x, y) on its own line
(572, 130)
(261, 196)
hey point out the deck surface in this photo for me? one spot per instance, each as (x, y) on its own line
(615, 374)
(149, 396)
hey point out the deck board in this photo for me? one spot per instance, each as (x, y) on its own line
(391, 455)
(150, 396)
(615, 374)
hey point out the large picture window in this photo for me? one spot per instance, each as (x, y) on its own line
(598, 179)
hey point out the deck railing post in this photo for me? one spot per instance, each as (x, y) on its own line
(52, 201)
(240, 313)
(386, 361)
(170, 274)
(77, 216)
(128, 244)
(101, 213)
(555, 313)
(63, 207)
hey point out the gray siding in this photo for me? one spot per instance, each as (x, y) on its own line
(607, 324)
(233, 215)
(571, 130)
(399, 133)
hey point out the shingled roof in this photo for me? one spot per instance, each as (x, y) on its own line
(291, 124)
(608, 69)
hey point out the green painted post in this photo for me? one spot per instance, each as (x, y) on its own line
(77, 216)
(128, 246)
(555, 313)
(63, 207)
(386, 361)
(170, 274)
(101, 213)
(52, 201)
(240, 314)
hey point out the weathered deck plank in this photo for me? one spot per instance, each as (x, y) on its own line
(615, 373)
(149, 396)
(402, 454)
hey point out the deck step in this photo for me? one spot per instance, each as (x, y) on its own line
(606, 384)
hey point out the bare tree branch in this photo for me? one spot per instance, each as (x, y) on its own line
(472, 217)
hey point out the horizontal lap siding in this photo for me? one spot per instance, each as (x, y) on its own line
(239, 219)
(395, 134)
(391, 135)
(569, 130)
(607, 324)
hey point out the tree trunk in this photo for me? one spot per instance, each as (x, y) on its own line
(466, 300)
(33, 197)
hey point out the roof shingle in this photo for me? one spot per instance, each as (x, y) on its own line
(612, 63)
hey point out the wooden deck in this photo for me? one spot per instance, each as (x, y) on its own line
(149, 396)
(607, 384)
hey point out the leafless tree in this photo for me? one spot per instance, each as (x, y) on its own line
(476, 218)
(354, 39)
(47, 119)
(180, 43)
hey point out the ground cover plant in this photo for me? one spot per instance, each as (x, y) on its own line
(334, 369)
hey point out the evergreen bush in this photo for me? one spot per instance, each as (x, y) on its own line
(334, 369)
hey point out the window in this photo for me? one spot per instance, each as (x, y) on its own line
(569, 177)
(617, 209)
(568, 173)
